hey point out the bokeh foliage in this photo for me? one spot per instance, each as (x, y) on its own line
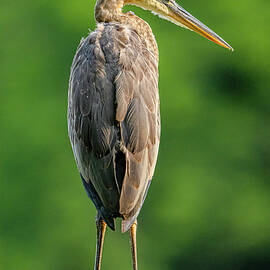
(208, 206)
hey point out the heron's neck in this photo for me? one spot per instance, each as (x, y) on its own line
(108, 10)
(111, 11)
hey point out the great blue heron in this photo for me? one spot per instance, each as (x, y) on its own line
(113, 109)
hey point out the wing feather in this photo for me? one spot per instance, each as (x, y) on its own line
(91, 114)
(137, 109)
(113, 114)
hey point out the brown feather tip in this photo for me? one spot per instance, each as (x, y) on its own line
(126, 224)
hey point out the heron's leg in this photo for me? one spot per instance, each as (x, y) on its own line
(133, 230)
(101, 228)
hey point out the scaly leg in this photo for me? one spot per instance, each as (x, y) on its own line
(101, 228)
(133, 230)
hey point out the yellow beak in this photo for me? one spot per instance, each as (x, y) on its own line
(181, 17)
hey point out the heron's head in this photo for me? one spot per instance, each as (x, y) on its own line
(170, 10)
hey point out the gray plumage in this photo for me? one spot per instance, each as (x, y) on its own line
(113, 119)
(113, 110)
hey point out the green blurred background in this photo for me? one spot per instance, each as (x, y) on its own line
(208, 206)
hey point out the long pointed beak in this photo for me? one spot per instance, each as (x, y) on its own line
(181, 17)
